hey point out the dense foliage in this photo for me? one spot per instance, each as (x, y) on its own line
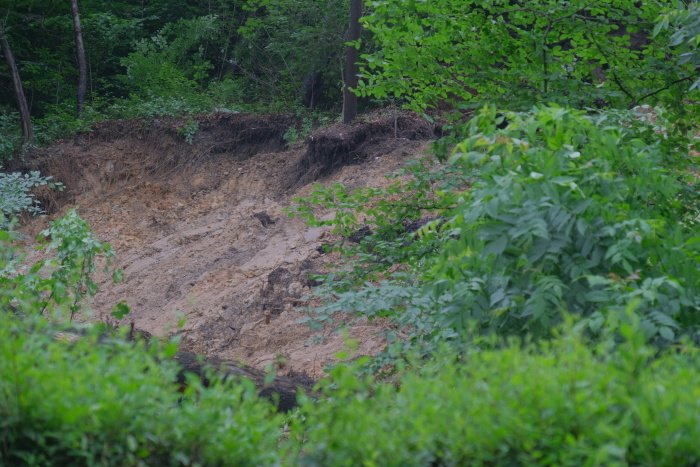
(578, 53)
(92, 402)
(686, 35)
(170, 58)
(559, 212)
(556, 404)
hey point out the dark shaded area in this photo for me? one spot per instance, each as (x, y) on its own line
(264, 218)
(411, 226)
(360, 234)
(311, 89)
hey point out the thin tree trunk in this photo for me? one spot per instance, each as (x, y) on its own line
(80, 55)
(27, 131)
(351, 58)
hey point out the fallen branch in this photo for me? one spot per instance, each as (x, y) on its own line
(282, 391)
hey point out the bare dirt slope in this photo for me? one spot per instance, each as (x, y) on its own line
(200, 233)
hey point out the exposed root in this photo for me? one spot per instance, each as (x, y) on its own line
(339, 145)
(155, 149)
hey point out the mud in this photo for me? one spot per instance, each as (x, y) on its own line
(201, 234)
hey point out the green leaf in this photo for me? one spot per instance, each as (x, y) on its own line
(667, 333)
(496, 247)
(120, 310)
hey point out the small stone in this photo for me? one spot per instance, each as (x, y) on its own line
(313, 234)
(295, 289)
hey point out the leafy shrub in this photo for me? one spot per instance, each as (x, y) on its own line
(557, 403)
(94, 403)
(310, 120)
(686, 35)
(56, 284)
(565, 213)
(76, 251)
(171, 63)
(568, 215)
(16, 194)
(188, 130)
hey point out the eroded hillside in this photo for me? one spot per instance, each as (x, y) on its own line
(200, 233)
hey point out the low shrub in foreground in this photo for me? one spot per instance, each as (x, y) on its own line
(99, 400)
(557, 403)
(84, 403)
(561, 403)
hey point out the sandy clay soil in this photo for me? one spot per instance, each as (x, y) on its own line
(200, 233)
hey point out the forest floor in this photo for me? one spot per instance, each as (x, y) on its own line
(199, 229)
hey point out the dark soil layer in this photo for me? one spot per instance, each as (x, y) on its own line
(160, 145)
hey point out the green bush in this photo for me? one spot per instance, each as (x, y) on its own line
(567, 214)
(560, 403)
(94, 403)
(686, 35)
(16, 194)
(54, 285)
(188, 131)
(558, 212)
(172, 63)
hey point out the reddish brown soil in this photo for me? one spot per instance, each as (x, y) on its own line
(200, 233)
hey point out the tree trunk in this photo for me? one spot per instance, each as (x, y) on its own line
(27, 131)
(80, 55)
(351, 58)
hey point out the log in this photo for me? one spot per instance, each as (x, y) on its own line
(281, 391)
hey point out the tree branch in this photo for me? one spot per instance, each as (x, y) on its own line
(672, 83)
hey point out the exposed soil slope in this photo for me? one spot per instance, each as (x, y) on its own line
(199, 229)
